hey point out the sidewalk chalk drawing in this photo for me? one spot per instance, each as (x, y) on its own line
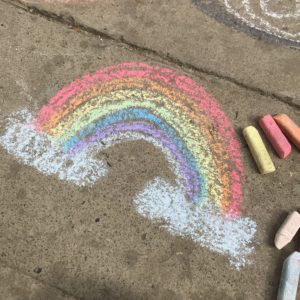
(273, 19)
(135, 101)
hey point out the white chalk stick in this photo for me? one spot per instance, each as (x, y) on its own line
(287, 230)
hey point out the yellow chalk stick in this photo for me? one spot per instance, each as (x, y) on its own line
(258, 150)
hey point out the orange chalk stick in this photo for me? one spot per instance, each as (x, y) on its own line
(289, 128)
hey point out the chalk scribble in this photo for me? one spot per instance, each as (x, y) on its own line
(277, 20)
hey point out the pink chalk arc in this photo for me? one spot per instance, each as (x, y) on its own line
(204, 137)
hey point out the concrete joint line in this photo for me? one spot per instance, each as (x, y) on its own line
(69, 21)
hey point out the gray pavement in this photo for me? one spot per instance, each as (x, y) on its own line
(17, 286)
(276, 22)
(180, 32)
(61, 241)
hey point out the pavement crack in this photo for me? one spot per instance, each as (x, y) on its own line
(69, 21)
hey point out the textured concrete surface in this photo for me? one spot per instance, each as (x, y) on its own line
(89, 242)
(17, 286)
(179, 30)
(274, 21)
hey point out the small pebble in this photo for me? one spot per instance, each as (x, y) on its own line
(37, 270)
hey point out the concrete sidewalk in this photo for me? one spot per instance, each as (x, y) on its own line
(15, 285)
(90, 243)
(178, 31)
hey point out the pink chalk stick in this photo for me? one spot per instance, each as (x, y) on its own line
(275, 136)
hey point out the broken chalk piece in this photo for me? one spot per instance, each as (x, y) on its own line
(289, 128)
(287, 230)
(275, 136)
(258, 150)
(289, 277)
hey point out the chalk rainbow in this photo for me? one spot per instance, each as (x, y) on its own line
(135, 101)
(155, 102)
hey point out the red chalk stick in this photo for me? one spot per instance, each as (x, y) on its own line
(289, 128)
(275, 136)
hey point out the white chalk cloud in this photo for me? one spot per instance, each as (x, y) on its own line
(205, 225)
(159, 200)
(39, 150)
